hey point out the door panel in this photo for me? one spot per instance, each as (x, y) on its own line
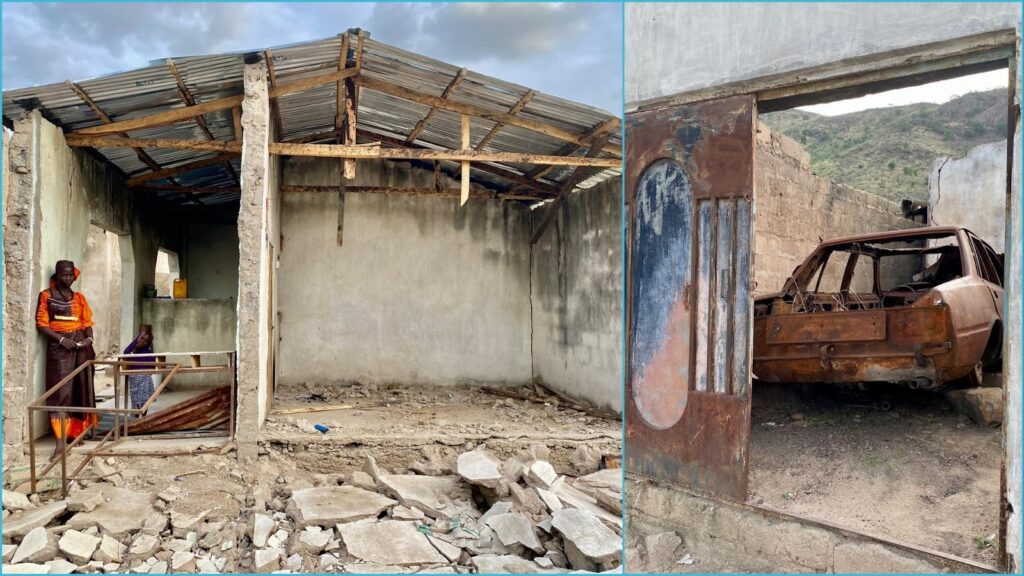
(690, 184)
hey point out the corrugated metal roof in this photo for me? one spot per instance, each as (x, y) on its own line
(153, 89)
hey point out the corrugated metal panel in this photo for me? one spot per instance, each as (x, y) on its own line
(153, 88)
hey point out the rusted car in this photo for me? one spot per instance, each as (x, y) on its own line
(922, 307)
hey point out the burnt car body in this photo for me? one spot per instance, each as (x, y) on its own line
(922, 306)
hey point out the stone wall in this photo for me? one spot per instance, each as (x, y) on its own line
(577, 297)
(971, 192)
(797, 209)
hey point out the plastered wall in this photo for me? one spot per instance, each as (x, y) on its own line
(971, 192)
(577, 297)
(420, 291)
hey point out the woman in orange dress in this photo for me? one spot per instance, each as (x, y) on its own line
(64, 317)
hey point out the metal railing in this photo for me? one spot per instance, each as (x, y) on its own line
(124, 365)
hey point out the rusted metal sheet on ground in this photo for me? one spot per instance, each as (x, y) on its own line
(203, 412)
(690, 180)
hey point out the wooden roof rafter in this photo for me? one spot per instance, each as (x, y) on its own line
(456, 80)
(515, 109)
(189, 100)
(144, 157)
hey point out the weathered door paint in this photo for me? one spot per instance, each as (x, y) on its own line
(690, 184)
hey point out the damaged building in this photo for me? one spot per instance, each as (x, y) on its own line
(726, 471)
(394, 341)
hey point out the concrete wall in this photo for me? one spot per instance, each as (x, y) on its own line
(739, 538)
(971, 192)
(209, 260)
(54, 194)
(577, 297)
(192, 325)
(420, 291)
(102, 285)
(797, 209)
(673, 48)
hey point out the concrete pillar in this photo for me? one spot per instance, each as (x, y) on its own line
(252, 340)
(21, 243)
(1012, 351)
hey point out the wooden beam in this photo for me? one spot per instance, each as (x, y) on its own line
(275, 110)
(339, 124)
(515, 109)
(452, 85)
(570, 149)
(411, 191)
(108, 141)
(176, 115)
(370, 151)
(187, 189)
(186, 97)
(236, 119)
(575, 178)
(144, 157)
(466, 145)
(473, 110)
(189, 100)
(348, 166)
(180, 169)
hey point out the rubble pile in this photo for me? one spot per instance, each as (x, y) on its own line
(480, 515)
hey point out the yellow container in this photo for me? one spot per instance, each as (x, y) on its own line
(180, 288)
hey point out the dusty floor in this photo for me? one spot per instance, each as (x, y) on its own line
(889, 461)
(401, 425)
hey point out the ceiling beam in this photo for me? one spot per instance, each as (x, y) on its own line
(189, 100)
(180, 169)
(452, 85)
(176, 115)
(205, 190)
(570, 149)
(473, 110)
(375, 151)
(575, 178)
(144, 157)
(109, 141)
(515, 109)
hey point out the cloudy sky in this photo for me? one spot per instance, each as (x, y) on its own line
(568, 50)
(936, 93)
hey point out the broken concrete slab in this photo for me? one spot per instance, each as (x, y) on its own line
(266, 560)
(184, 522)
(25, 568)
(263, 526)
(610, 478)
(448, 550)
(610, 500)
(527, 499)
(86, 500)
(19, 524)
(110, 550)
(574, 498)
(16, 501)
(515, 529)
(588, 534)
(9, 550)
(371, 568)
(144, 546)
(513, 470)
(329, 505)
(478, 467)
(207, 566)
(406, 513)
(183, 561)
(61, 566)
(390, 542)
(550, 499)
(36, 547)
(498, 508)
(541, 474)
(78, 546)
(311, 541)
(509, 564)
(361, 479)
(122, 512)
(434, 495)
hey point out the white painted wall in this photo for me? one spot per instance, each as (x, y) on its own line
(679, 47)
(971, 192)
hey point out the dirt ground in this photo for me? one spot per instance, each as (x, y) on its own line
(403, 425)
(889, 461)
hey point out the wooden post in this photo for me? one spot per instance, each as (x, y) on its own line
(464, 183)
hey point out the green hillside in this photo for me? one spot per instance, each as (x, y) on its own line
(889, 151)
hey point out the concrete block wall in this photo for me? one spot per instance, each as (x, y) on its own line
(797, 209)
(577, 297)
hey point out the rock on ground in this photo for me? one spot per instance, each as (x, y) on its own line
(122, 512)
(330, 505)
(25, 568)
(588, 534)
(389, 542)
(541, 474)
(515, 529)
(477, 467)
(263, 526)
(983, 405)
(16, 501)
(36, 547)
(431, 494)
(78, 546)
